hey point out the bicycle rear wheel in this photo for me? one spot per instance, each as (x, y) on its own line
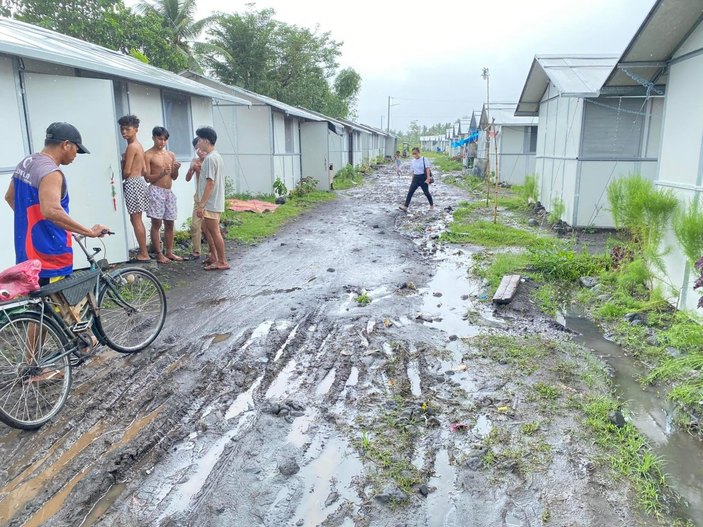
(34, 379)
(132, 309)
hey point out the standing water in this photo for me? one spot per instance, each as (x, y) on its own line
(682, 454)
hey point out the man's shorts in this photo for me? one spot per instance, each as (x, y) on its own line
(135, 194)
(210, 215)
(162, 204)
(52, 280)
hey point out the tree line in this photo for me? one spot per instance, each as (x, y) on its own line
(415, 131)
(252, 50)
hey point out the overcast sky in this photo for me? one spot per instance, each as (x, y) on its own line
(429, 56)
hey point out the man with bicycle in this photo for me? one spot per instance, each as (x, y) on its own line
(38, 195)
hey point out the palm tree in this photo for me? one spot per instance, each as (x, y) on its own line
(178, 19)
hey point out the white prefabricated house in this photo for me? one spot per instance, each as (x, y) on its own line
(516, 141)
(587, 136)
(337, 142)
(371, 143)
(668, 50)
(47, 77)
(268, 140)
(355, 132)
(430, 143)
(391, 145)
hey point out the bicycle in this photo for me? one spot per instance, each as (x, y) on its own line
(43, 336)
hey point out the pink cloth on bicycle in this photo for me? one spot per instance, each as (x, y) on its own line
(19, 280)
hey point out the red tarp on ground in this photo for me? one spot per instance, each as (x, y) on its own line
(251, 205)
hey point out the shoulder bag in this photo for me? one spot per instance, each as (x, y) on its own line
(424, 166)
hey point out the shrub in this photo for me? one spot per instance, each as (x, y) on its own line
(305, 186)
(641, 210)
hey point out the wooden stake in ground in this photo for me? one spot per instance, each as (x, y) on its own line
(495, 201)
(488, 164)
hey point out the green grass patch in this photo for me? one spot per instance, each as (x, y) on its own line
(443, 162)
(249, 227)
(628, 453)
(502, 264)
(547, 297)
(489, 234)
(348, 177)
(524, 353)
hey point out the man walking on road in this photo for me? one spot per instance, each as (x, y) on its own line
(211, 198)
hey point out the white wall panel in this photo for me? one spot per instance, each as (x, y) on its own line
(88, 104)
(201, 111)
(593, 206)
(12, 133)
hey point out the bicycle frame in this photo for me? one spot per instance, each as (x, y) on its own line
(45, 308)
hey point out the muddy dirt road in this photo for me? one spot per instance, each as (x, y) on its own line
(274, 398)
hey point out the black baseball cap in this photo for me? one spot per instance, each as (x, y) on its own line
(66, 132)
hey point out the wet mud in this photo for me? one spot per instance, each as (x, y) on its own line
(273, 398)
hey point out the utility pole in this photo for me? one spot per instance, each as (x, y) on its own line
(486, 76)
(388, 121)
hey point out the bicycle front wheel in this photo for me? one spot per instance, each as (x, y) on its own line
(35, 375)
(132, 309)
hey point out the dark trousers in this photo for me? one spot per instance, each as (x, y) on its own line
(419, 180)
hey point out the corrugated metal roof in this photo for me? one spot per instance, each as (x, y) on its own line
(28, 41)
(666, 27)
(573, 76)
(504, 115)
(256, 97)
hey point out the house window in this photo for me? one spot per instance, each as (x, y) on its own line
(613, 127)
(530, 143)
(177, 122)
(290, 136)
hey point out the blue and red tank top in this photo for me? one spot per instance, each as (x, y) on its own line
(35, 236)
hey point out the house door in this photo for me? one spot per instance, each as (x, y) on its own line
(314, 150)
(94, 180)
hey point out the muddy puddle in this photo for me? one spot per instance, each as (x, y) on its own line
(653, 415)
(453, 300)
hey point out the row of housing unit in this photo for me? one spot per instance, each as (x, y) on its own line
(46, 76)
(598, 118)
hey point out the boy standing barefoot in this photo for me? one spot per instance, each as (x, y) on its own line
(135, 186)
(211, 198)
(162, 170)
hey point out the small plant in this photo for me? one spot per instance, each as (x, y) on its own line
(306, 186)
(363, 299)
(279, 187)
(528, 190)
(557, 211)
(530, 428)
(365, 441)
(545, 391)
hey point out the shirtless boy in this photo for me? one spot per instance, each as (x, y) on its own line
(161, 171)
(135, 186)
